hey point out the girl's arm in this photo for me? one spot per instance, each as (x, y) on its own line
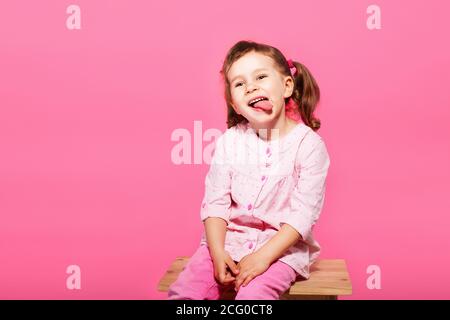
(215, 229)
(275, 247)
(307, 201)
(306, 204)
(254, 264)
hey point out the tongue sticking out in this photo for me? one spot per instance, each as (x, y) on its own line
(263, 105)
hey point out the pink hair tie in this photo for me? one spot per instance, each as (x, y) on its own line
(292, 67)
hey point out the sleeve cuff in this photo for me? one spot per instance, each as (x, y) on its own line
(208, 211)
(299, 222)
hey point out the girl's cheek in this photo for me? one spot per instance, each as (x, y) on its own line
(235, 99)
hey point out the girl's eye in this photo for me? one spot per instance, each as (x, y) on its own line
(259, 77)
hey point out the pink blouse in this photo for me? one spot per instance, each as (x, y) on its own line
(257, 185)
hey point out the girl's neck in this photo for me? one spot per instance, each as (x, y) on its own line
(276, 131)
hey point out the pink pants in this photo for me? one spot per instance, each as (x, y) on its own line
(197, 282)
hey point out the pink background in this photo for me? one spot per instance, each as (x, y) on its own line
(86, 118)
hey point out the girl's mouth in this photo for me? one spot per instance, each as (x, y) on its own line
(261, 104)
(257, 109)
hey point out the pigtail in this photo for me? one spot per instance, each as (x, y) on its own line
(306, 95)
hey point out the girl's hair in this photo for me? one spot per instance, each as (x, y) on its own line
(306, 92)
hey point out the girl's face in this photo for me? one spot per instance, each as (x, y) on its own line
(254, 75)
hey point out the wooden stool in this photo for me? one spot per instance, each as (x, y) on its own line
(329, 279)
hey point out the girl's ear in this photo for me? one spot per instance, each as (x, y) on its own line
(289, 87)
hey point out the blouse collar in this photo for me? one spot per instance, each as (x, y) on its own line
(255, 143)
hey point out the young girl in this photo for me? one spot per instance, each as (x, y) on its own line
(265, 187)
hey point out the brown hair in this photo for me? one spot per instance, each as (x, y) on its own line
(306, 92)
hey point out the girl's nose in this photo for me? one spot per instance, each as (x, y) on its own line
(251, 88)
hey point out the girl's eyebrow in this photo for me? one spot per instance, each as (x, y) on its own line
(254, 71)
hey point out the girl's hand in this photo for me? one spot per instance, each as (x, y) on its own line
(224, 267)
(250, 267)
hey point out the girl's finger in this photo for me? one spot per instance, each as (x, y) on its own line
(247, 280)
(222, 273)
(239, 281)
(228, 275)
(228, 281)
(233, 267)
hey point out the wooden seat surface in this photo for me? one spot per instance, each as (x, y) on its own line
(329, 279)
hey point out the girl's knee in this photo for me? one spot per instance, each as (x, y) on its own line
(194, 286)
(257, 292)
